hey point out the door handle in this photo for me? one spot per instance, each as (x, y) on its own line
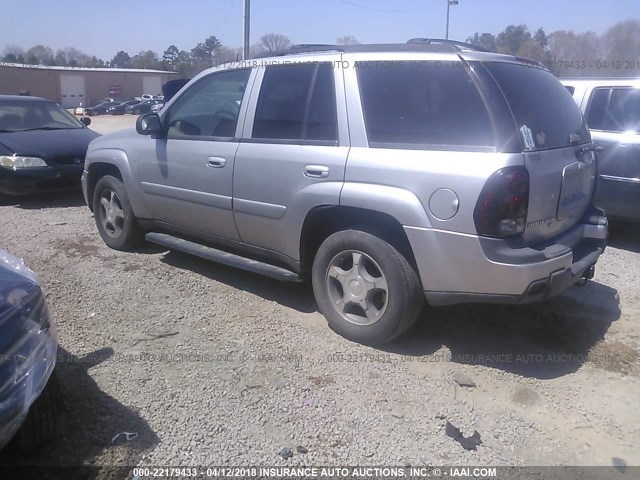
(316, 171)
(216, 162)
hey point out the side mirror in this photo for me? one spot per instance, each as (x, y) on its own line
(86, 121)
(149, 124)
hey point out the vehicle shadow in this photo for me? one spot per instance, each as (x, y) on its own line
(625, 236)
(298, 296)
(542, 340)
(64, 199)
(91, 418)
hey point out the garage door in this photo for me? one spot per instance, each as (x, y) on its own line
(72, 90)
(152, 85)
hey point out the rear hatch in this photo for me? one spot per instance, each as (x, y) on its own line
(556, 146)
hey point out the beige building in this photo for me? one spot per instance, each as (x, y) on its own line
(71, 86)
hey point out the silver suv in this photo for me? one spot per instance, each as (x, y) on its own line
(386, 174)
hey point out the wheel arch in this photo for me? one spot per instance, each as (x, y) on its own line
(323, 221)
(113, 162)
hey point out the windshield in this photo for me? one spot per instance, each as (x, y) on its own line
(546, 114)
(17, 117)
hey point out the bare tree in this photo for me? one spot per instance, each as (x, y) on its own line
(275, 42)
(40, 55)
(347, 40)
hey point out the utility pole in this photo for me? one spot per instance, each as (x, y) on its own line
(247, 29)
(449, 3)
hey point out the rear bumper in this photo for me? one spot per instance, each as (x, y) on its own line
(459, 268)
(33, 180)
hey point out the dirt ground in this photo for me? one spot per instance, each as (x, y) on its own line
(213, 366)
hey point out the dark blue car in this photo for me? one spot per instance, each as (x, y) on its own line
(28, 348)
(42, 146)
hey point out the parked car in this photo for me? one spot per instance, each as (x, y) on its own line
(109, 100)
(29, 392)
(157, 107)
(99, 109)
(42, 146)
(119, 109)
(142, 107)
(612, 110)
(146, 96)
(429, 170)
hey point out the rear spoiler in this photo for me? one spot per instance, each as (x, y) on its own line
(170, 88)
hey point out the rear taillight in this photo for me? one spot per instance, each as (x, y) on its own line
(501, 210)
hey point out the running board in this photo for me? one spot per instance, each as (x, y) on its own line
(225, 258)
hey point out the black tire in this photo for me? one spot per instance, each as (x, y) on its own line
(403, 298)
(128, 234)
(43, 421)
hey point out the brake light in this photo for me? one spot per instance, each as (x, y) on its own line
(501, 210)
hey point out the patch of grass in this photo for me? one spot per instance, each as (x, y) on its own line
(614, 356)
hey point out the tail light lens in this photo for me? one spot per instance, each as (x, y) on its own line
(501, 210)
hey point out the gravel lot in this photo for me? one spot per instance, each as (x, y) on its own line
(213, 366)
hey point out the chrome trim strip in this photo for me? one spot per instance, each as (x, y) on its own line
(620, 179)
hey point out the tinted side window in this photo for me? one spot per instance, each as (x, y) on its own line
(210, 107)
(624, 110)
(546, 114)
(596, 116)
(297, 102)
(422, 104)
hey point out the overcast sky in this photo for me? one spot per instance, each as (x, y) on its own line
(102, 27)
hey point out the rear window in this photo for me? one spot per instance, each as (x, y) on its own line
(424, 104)
(545, 112)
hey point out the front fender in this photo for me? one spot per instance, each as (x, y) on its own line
(118, 158)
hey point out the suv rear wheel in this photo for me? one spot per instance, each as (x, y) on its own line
(114, 216)
(365, 288)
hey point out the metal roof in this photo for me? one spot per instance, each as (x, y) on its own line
(83, 69)
(23, 98)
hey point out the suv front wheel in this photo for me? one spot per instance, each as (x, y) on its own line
(365, 288)
(114, 216)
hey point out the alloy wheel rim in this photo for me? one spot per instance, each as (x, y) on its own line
(357, 287)
(111, 213)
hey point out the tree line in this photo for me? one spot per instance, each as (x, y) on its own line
(616, 52)
(203, 55)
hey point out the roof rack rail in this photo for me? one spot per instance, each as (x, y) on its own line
(454, 43)
(413, 45)
(312, 47)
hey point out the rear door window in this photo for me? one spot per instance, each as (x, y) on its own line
(424, 104)
(297, 102)
(624, 108)
(615, 109)
(546, 115)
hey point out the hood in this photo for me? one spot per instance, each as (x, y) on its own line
(48, 144)
(109, 140)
